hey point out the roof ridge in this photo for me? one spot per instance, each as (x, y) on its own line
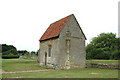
(54, 29)
(62, 19)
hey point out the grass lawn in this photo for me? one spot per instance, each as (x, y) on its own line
(103, 61)
(77, 73)
(11, 65)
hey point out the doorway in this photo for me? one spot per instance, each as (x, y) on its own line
(45, 58)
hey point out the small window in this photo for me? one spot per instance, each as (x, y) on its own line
(49, 51)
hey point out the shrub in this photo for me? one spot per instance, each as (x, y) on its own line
(10, 56)
(115, 55)
(27, 53)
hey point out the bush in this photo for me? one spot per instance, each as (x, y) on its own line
(27, 53)
(104, 46)
(12, 51)
(115, 55)
(10, 56)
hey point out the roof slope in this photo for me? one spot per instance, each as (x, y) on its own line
(54, 29)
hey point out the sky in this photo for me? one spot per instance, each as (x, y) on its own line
(119, 19)
(22, 22)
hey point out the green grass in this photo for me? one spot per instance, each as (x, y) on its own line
(11, 65)
(77, 73)
(103, 61)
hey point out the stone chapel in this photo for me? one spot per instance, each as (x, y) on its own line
(62, 46)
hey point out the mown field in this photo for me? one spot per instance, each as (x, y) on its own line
(103, 61)
(14, 65)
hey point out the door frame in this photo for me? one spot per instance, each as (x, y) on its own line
(45, 58)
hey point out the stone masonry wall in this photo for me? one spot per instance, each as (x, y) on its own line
(77, 45)
(29, 57)
(44, 48)
(102, 66)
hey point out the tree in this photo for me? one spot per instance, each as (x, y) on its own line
(32, 53)
(104, 46)
(22, 52)
(7, 47)
(12, 51)
(27, 53)
(37, 52)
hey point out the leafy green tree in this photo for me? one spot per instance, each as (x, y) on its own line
(115, 55)
(104, 46)
(27, 53)
(37, 52)
(32, 53)
(10, 54)
(7, 47)
(22, 52)
(13, 51)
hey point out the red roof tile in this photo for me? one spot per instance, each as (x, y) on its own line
(54, 29)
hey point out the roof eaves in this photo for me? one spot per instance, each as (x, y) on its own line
(49, 38)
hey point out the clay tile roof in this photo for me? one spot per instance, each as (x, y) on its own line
(54, 29)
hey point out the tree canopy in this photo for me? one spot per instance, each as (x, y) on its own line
(9, 49)
(104, 46)
(22, 52)
(9, 52)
